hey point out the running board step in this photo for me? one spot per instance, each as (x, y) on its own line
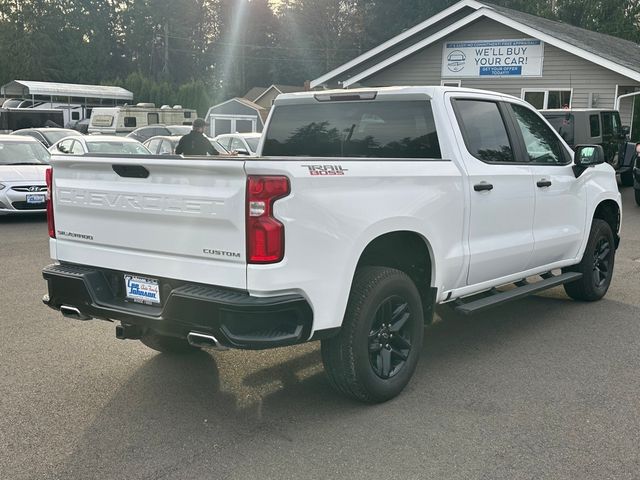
(475, 306)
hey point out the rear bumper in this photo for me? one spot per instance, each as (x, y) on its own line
(235, 318)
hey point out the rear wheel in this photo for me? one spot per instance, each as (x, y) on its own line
(596, 265)
(375, 354)
(167, 344)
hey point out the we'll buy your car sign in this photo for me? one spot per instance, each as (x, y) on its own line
(493, 58)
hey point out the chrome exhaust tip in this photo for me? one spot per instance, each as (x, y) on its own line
(202, 340)
(72, 312)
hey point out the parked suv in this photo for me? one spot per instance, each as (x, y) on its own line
(599, 127)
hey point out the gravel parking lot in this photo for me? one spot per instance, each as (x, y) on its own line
(544, 388)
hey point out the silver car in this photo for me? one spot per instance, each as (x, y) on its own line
(23, 162)
(240, 143)
(110, 144)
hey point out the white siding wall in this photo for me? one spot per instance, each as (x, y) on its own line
(561, 70)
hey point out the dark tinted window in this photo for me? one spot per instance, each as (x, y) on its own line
(129, 121)
(563, 123)
(393, 129)
(559, 99)
(594, 124)
(610, 123)
(485, 134)
(540, 141)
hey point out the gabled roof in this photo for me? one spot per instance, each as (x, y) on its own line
(27, 88)
(258, 92)
(254, 93)
(262, 112)
(609, 52)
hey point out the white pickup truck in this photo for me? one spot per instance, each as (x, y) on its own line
(365, 209)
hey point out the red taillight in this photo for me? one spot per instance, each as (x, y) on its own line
(50, 222)
(265, 234)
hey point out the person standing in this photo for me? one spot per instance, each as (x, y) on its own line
(194, 142)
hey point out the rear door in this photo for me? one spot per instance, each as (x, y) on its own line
(610, 135)
(501, 191)
(172, 218)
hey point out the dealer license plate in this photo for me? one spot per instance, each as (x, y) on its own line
(35, 198)
(142, 289)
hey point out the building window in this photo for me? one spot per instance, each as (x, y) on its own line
(450, 83)
(543, 99)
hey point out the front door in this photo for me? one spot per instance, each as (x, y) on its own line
(560, 198)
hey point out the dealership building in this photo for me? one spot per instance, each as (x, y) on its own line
(479, 45)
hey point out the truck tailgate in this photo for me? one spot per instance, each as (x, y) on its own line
(154, 216)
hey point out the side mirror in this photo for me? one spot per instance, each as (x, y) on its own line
(588, 155)
(626, 130)
(241, 151)
(63, 149)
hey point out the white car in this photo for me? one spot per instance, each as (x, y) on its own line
(99, 144)
(241, 143)
(23, 162)
(166, 145)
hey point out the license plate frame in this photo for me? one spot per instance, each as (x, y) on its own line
(36, 198)
(140, 289)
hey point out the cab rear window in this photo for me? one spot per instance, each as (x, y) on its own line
(377, 129)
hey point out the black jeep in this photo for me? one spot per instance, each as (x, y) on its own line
(597, 126)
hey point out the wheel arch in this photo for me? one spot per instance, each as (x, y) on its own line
(609, 211)
(409, 252)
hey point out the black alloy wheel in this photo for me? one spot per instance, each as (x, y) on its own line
(601, 262)
(390, 337)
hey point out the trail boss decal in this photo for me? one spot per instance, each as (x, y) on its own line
(326, 170)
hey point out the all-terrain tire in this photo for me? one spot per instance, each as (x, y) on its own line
(596, 265)
(167, 344)
(376, 352)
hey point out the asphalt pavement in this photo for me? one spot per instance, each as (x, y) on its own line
(543, 388)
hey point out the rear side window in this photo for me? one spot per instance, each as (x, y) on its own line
(382, 129)
(485, 134)
(129, 121)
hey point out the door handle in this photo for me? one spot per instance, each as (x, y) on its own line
(482, 187)
(543, 183)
